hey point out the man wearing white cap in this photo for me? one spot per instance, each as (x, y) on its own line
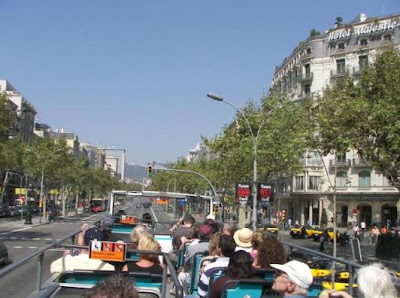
(292, 279)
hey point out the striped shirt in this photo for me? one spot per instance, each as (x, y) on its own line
(209, 270)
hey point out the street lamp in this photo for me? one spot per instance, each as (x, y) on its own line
(255, 144)
(20, 190)
(42, 160)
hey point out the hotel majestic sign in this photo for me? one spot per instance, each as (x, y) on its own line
(367, 29)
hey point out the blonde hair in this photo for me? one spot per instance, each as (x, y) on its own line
(138, 233)
(148, 243)
(214, 242)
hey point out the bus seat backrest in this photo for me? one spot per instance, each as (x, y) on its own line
(181, 259)
(195, 271)
(314, 290)
(245, 288)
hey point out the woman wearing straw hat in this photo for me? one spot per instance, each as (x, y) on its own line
(243, 238)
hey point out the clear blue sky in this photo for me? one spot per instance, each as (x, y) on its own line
(134, 74)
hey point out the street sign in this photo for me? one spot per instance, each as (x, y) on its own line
(243, 200)
(243, 192)
(107, 251)
(183, 202)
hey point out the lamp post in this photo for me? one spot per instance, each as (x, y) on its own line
(20, 190)
(42, 160)
(255, 144)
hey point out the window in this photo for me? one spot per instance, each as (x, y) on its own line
(340, 66)
(387, 37)
(313, 158)
(341, 46)
(313, 182)
(341, 158)
(307, 90)
(299, 183)
(364, 42)
(364, 179)
(363, 62)
(307, 69)
(309, 51)
(341, 178)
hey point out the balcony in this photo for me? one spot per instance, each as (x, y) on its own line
(305, 77)
(340, 163)
(357, 162)
(366, 189)
(311, 162)
(339, 73)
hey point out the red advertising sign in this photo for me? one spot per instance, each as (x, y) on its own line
(243, 192)
(265, 192)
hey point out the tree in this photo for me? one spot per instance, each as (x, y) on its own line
(364, 116)
(339, 21)
(314, 33)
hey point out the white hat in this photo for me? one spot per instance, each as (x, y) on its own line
(211, 216)
(243, 237)
(298, 272)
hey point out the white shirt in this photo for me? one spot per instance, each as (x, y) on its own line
(363, 225)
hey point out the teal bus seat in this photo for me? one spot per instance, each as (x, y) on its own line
(122, 229)
(89, 278)
(252, 288)
(315, 289)
(181, 256)
(194, 274)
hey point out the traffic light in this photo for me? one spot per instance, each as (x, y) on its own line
(150, 171)
(215, 209)
(283, 215)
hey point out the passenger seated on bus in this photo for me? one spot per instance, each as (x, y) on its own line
(147, 263)
(243, 239)
(225, 250)
(210, 220)
(82, 260)
(256, 240)
(106, 226)
(213, 253)
(192, 239)
(181, 229)
(205, 233)
(270, 251)
(240, 266)
(116, 286)
(137, 233)
(147, 222)
(292, 279)
(229, 229)
(376, 281)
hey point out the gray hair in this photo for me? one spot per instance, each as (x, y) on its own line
(138, 232)
(376, 282)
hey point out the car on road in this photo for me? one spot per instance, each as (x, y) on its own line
(317, 234)
(269, 228)
(146, 205)
(138, 205)
(302, 232)
(97, 209)
(3, 254)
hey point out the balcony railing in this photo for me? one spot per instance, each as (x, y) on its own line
(339, 72)
(340, 163)
(303, 77)
(311, 162)
(360, 163)
(358, 70)
(369, 189)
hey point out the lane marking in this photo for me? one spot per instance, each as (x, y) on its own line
(18, 230)
(35, 238)
(152, 211)
(48, 239)
(17, 246)
(86, 218)
(32, 247)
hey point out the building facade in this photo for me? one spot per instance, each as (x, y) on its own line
(362, 192)
(25, 112)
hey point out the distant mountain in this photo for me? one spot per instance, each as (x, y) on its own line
(135, 172)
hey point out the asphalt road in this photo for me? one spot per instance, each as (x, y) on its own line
(24, 240)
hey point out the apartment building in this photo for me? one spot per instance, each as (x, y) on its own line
(25, 112)
(362, 192)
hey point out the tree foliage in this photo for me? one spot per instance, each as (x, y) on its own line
(365, 116)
